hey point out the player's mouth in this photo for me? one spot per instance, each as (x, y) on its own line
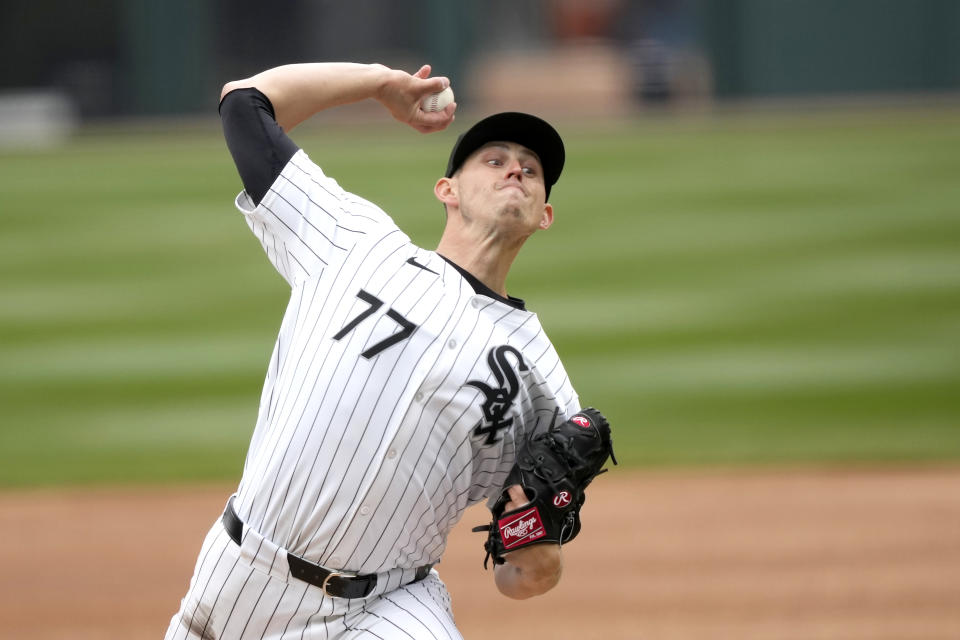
(510, 184)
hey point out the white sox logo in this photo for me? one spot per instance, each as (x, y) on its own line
(562, 499)
(498, 401)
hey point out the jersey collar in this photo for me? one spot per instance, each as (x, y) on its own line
(484, 290)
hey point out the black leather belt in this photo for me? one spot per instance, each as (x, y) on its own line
(339, 584)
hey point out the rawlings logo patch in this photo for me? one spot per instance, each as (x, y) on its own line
(580, 421)
(521, 528)
(562, 499)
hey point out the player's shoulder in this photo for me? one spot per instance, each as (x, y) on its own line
(302, 171)
(304, 176)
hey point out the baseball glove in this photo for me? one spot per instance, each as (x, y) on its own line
(554, 466)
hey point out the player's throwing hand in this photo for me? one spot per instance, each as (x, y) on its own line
(401, 93)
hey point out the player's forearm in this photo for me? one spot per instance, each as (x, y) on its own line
(298, 91)
(529, 572)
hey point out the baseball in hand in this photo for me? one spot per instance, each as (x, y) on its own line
(437, 101)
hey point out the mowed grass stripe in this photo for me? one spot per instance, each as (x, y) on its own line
(763, 367)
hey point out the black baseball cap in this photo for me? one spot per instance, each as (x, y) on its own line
(512, 126)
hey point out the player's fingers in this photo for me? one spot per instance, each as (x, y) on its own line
(443, 114)
(434, 127)
(431, 121)
(518, 497)
(423, 72)
(447, 115)
(432, 85)
(443, 117)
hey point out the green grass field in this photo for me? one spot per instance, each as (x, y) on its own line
(767, 289)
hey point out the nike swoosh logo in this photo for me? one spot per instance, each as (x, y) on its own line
(414, 262)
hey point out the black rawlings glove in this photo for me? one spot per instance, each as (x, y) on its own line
(553, 466)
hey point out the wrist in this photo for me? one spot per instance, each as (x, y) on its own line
(384, 78)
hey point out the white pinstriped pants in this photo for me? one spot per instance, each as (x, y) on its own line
(247, 592)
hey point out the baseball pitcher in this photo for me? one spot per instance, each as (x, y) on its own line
(404, 386)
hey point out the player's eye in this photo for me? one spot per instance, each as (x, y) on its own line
(530, 171)
(494, 162)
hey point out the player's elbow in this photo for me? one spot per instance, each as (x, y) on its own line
(230, 86)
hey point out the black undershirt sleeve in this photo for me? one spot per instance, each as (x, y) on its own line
(259, 147)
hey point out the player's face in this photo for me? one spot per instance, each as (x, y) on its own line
(503, 183)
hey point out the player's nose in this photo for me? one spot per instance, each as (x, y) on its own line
(514, 168)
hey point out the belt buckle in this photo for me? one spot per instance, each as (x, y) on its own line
(330, 576)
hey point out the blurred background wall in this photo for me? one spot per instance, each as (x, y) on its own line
(139, 57)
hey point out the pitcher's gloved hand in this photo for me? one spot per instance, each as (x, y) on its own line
(554, 467)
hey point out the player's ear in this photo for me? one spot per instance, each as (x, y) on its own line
(547, 218)
(446, 191)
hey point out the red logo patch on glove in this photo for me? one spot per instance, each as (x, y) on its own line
(562, 499)
(580, 421)
(521, 528)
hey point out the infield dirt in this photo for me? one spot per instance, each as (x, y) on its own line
(864, 554)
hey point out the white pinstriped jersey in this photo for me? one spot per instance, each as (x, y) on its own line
(395, 393)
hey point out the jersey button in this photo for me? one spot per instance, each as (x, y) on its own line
(364, 510)
(419, 396)
(392, 453)
(452, 344)
(475, 303)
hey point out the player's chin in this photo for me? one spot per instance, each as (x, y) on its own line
(515, 202)
(511, 212)
(518, 219)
